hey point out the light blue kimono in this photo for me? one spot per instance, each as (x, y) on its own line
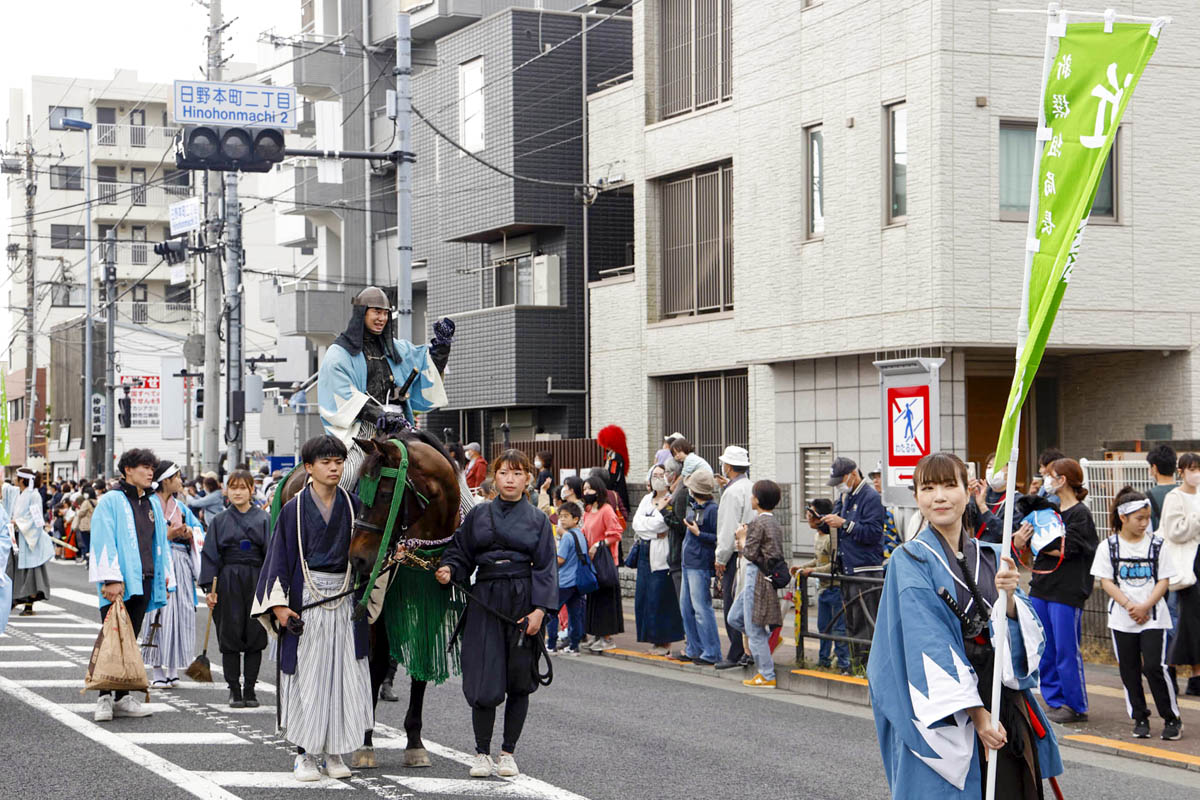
(342, 386)
(114, 550)
(922, 684)
(34, 547)
(5, 552)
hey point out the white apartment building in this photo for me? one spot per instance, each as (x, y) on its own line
(821, 184)
(133, 182)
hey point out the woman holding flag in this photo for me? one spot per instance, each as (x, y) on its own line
(932, 658)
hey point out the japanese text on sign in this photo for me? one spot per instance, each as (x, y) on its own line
(235, 104)
(145, 401)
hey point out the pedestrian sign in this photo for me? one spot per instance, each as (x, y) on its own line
(908, 430)
(911, 422)
(241, 104)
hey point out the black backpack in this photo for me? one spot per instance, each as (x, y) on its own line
(1151, 558)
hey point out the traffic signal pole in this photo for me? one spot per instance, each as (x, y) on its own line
(234, 334)
(214, 183)
(110, 351)
(403, 72)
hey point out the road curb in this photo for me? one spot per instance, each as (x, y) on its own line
(848, 689)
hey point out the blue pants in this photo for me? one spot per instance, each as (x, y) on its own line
(573, 600)
(740, 615)
(1061, 667)
(699, 621)
(829, 605)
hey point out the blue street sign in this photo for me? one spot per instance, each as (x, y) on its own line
(240, 104)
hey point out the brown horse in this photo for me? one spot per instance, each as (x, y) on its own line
(429, 514)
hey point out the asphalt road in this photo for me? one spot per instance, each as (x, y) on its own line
(605, 730)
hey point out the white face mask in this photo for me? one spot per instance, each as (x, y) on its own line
(1192, 477)
(562, 493)
(537, 463)
(998, 481)
(840, 490)
(658, 484)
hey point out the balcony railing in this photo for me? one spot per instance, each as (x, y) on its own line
(153, 313)
(126, 136)
(139, 194)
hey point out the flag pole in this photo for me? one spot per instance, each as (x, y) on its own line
(1000, 610)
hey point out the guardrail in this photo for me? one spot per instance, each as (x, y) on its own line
(836, 580)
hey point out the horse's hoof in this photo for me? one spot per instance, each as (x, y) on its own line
(417, 757)
(363, 758)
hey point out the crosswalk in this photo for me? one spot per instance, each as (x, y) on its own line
(194, 740)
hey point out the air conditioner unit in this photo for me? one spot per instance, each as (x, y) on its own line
(545, 281)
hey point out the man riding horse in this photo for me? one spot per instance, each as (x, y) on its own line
(371, 383)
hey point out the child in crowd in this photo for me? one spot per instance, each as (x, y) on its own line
(829, 595)
(571, 545)
(1135, 576)
(756, 608)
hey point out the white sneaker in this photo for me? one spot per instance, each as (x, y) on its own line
(570, 651)
(335, 767)
(660, 651)
(481, 766)
(104, 708)
(306, 768)
(604, 644)
(508, 767)
(130, 706)
(597, 644)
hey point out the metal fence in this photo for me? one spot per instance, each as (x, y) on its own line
(576, 454)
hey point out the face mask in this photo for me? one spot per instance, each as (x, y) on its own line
(589, 497)
(998, 481)
(658, 484)
(562, 493)
(537, 463)
(840, 489)
(1192, 477)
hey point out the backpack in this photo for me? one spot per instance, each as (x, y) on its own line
(585, 573)
(1151, 558)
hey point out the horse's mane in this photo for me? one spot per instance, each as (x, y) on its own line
(414, 435)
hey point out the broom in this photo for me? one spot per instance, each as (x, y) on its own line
(200, 669)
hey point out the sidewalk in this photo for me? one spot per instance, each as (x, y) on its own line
(1107, 730)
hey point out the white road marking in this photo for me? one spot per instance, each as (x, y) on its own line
(18, 648)
(471, 787)
(87, 708)
(80, 648)
(191, 782)
(51, 683)
(195, 737)
(29, 623)
(32, 664)
(270, 780)
(56, 635)
(225, 709)
(88, 599)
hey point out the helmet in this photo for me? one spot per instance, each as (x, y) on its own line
(372, 297)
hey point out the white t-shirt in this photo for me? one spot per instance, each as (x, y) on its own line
(1136, 581)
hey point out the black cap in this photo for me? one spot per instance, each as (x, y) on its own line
(840, 469)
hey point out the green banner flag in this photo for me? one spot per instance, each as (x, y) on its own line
(5, 456)
(1091, 81)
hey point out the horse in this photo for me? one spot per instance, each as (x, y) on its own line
(429, 513)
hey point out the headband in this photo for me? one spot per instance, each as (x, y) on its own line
(1125, 509)
(171, 471)
(26, 474)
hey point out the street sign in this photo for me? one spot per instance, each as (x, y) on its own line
(97, 414)
(178, 274)
(247, 105)
(185, 216)
(911, 422)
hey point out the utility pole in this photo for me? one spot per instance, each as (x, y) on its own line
(403, 73)
(212, 270)
(236, 402)
(110, 351)
(30, 293)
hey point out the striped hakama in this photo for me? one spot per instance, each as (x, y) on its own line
(325, 707)
(175, 640)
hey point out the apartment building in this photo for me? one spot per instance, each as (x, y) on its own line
(133, 182)
(817, 185)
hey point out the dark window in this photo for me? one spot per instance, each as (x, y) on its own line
(66, 178)
(711, 409)
(695, 55)
(697, 236)
(514, 282)
(177, 183)
(67, 237)
(179, 294)
(106, 184)
(57, 113)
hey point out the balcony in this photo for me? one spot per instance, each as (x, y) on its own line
(136, 143)
(313, 197)
(312, 309)
(143, 202)
(154, 313)
(133, 262)
(287, 426)
(319, 74)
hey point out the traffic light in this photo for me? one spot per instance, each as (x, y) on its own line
(199, 404)
(125, 415)
(229, 149)
(173, 251)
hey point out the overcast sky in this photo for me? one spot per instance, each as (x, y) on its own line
(161, 39)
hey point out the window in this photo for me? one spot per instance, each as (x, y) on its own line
(67, 295)
(106, 184)
(178, 294)
(176, 183)
(138, 250)
(140, 293)
(815, 175)
(695, 55)
(1016, 174)
(697, 235)
(66, 237)
(711, 409)
(66, 178)
(897, 166)
(137, 177)
(514, 281)
(16, 409)
(470, 88)
(58, 113)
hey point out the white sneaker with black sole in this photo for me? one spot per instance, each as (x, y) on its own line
(507, 767)
(130, 706)
(481, 766)
(104, 709)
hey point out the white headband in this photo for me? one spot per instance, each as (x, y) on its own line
(26, 474)
(1125, 509)
(171, 471)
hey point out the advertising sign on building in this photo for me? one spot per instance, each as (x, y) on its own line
(145, 401)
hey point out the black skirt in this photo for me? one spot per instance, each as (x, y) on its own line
(1185, 644)
(604, 615)
(236, 631)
